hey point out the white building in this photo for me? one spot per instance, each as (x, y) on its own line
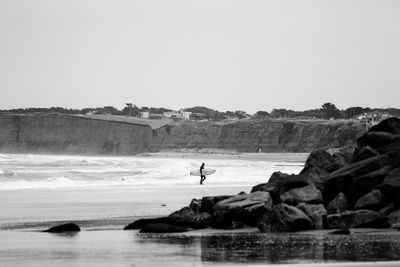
(145, 114)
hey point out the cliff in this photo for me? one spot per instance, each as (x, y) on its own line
(55, 133)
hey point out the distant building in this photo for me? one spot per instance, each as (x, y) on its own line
(198, 116)
(171, 114)
(185, 115)
(156, 116)
(145, 114)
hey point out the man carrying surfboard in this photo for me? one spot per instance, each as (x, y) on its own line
(202, 176)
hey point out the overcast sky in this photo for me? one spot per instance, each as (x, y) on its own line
(227, 55)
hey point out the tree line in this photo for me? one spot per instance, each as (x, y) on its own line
(327, 111)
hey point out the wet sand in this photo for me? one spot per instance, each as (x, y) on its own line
(198, 248)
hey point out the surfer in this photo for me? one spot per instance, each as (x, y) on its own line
(202, 176)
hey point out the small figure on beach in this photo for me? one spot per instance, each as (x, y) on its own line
(202, 176)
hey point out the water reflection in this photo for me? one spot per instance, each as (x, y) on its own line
(283, 248)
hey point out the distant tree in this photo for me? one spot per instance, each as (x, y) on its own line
(331, 111)
(353, 111)
(261, 113)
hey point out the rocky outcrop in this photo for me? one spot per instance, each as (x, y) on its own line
(332, 191)
(284, 218)
(163, 228)
(308, 194)
(339, 204)
(63, 228)
(56, 133)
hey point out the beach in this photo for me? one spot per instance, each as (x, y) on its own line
(104, 194)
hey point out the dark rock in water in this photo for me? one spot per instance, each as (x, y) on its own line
(141, 223)
(284, 218)
(188, 218)
(163, 228)
(195, 205)
(245, 208)
(377, 139)
(339, 204)
(307, 194)
(364, 153)
(315, 212)
(380, 223)
(390, 186)
(322, 160)
(391, 125)
(207, 203)
(374, 200)
(342, 180)
(68, 227)
(341, 232)
(353, 219)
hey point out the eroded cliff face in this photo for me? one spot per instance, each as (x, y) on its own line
(71, 135)
(76, 135)
(250, 135)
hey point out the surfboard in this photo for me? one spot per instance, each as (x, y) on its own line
(205, 172)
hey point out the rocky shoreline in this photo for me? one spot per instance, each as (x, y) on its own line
(339, 191)
(333, 191)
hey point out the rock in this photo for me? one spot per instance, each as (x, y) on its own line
(68, 227)
(188, 218)
(376, 139)
(364, 153)
(316, 213)
(390, 186)
(308, 194)
(340, 232)
(366, 182)
(391, 125)
(396, 226)
(388, 209)
(245, 208)
(322, 160)
(141, 223)
(284, 218)
(374, 200)
(342, 159)
(163, 228)
(280, 183)
(339, 204)
(207, 203)
(394, 217)
(343, 180)
(195, 205)
(354, 219)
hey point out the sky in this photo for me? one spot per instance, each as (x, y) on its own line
(227, 55)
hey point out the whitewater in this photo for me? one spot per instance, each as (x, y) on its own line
(29, 172)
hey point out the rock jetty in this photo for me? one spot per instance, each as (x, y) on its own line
(340, 191)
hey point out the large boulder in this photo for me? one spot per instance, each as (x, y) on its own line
(391, 125)
(322, 160)
(284, 218)
(68, 227)
(188, 218)
(280, 183)
(195, 205)
(207, 203)
(377, 139)
(163, 228)
(394, 217)
(141, 223)
(364, 153)
(316, 213)
(244, 208)
(365, 183)
(307, 194)
(355, 219)
(389, 208)
(374, 200)
(390, 186)
(339, 204)
(342, 180)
